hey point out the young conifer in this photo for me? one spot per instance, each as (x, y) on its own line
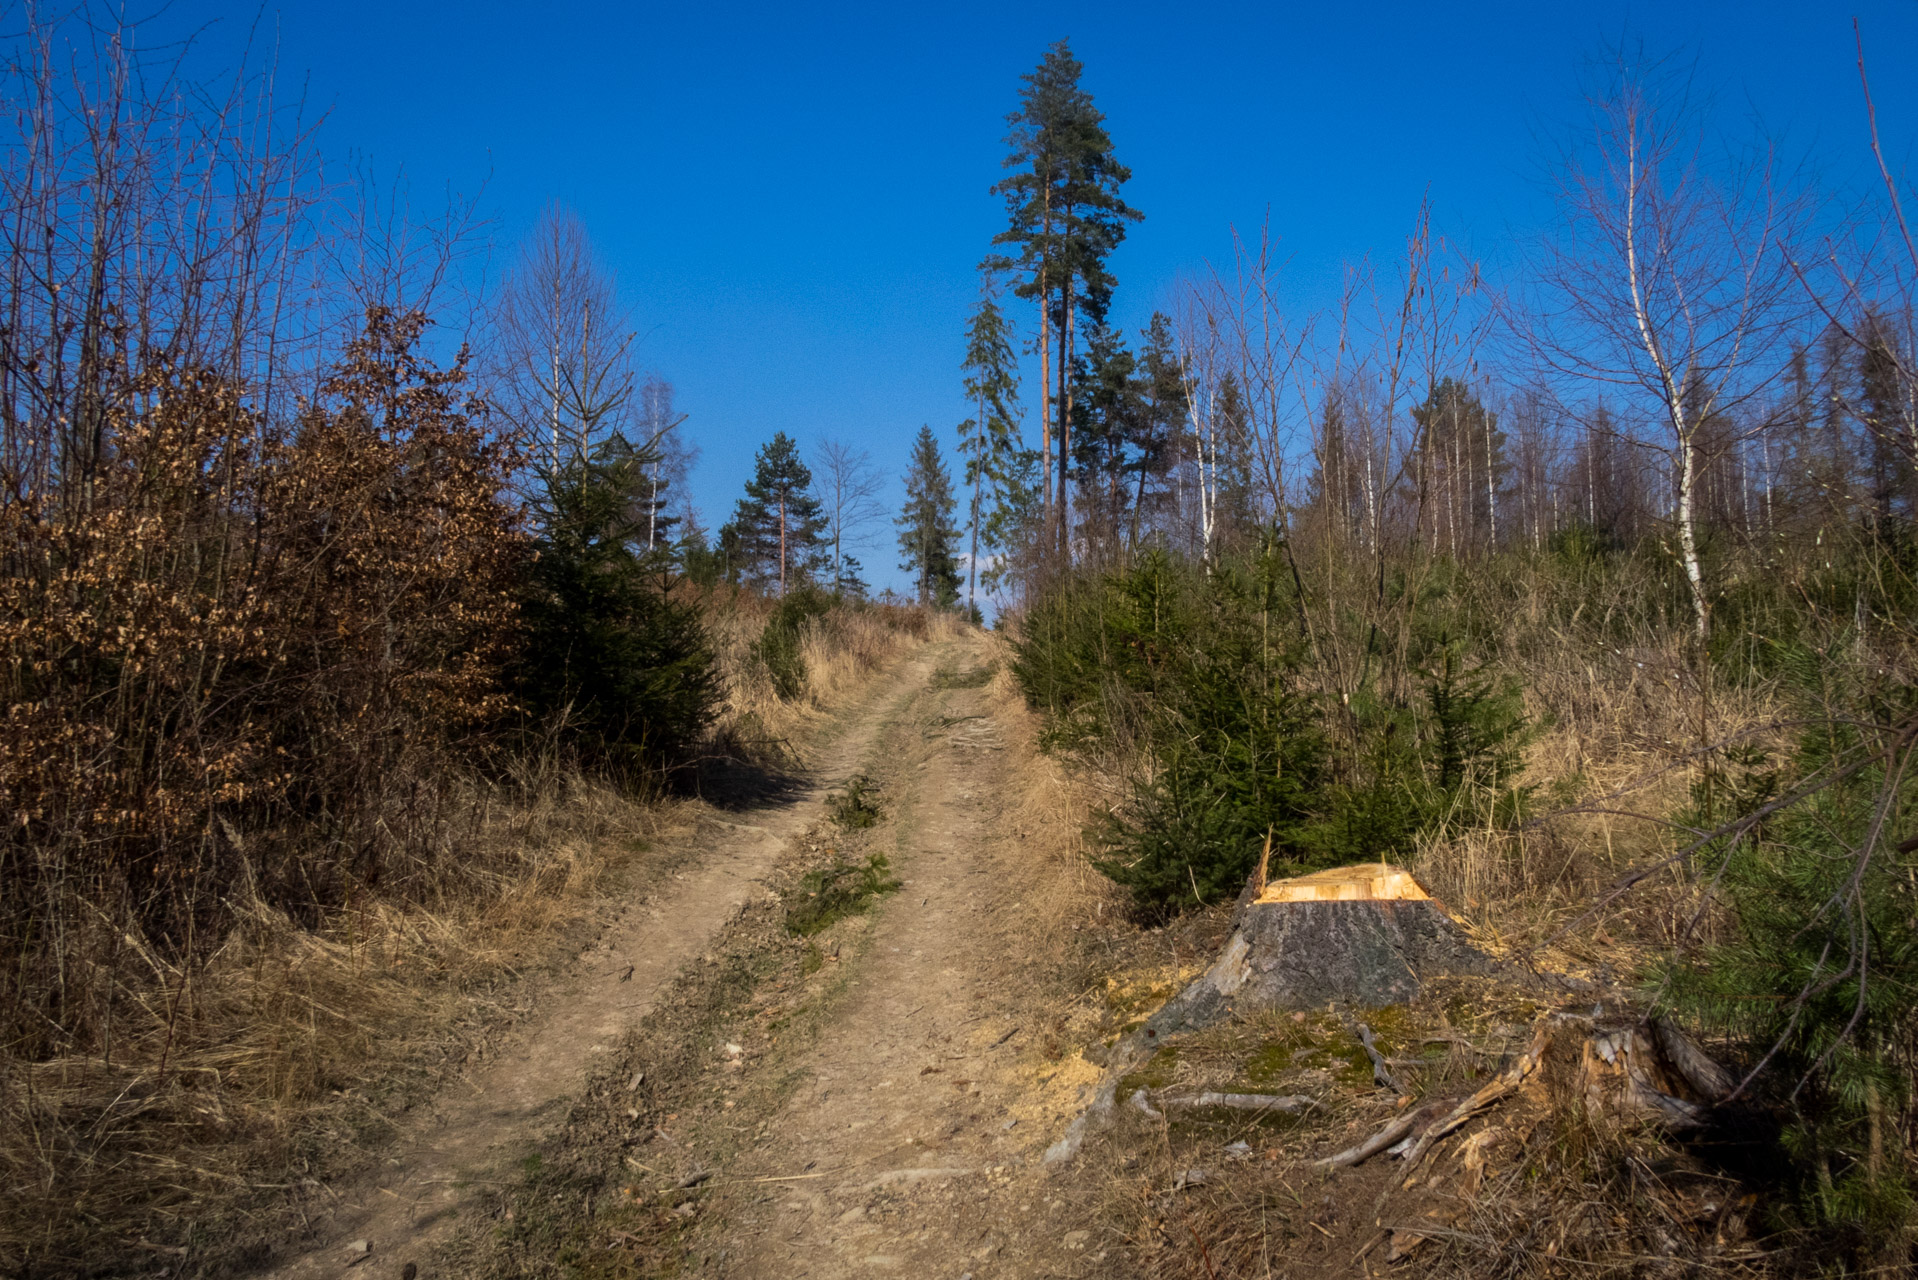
(778, 523)
(928, 539)
(989, 440)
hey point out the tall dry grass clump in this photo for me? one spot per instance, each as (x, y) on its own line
(286, 1052)
(782, 662)
(1624, 713)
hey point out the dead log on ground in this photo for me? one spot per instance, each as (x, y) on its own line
(1617, 1070)
(1290, 1103)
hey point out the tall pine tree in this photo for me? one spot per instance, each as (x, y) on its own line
(778, 524)
(928, 539)
(1156, 427)
(1105, 405)
(1065, 219)
(989, 440)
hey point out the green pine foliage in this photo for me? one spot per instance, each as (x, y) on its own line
(1064, 210)
(928, 539)
(1203, 681)
(778, 647)
(1235, 751)
(776, 537)
(989, 440)
(832, 893)
(1013, 524)
(856, 806)
(848, 581)
(702, 562)
(1420, 767)
(1065, 217)
(1127, 411)
(611, 654)
(1818, 976)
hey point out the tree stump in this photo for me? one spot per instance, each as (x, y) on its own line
(1362, 935)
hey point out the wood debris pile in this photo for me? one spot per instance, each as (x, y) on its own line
(1620, 1071)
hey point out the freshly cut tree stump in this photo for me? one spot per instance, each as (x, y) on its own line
(1364, 882)
(1362, 935)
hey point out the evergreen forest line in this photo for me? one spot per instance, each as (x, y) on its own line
(1391, 583)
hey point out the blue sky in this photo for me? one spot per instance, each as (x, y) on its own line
(795, 197)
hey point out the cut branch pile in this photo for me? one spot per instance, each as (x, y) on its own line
(1627, 1070)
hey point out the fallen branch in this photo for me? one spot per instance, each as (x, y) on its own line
(788, 1177)
(1291, 1103)
(1506, 1084)
(1381, 1071)
(1698, 1069)
(1396, 1129)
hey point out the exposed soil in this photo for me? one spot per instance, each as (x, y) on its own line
(782, 1090)
(500, 1108)
(874, 1098)
(911, 1136)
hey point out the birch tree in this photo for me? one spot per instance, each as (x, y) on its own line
(564, 364)
(1667, 284)
(848, 489)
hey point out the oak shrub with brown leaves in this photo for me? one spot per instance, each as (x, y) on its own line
(238, 659)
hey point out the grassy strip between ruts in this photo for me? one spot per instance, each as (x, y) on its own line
(617, 1191)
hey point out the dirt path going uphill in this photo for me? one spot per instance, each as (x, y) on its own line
(496, 1112)
(913, 1144)
(874, 1099)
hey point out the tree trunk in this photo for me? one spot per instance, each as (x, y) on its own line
(1688, 534)
(978, 476)
(1364, 935)
(1045, 404)
(1491, 489)
(1138, 505)
(1065, 418)
(555, 373)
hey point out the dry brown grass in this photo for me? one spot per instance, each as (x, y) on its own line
(1616, 757)
(286, 1052)
(842, 650)
(284, 1055)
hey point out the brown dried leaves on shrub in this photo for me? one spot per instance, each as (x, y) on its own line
(234, 650)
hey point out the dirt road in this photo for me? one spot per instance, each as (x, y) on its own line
(502, 1107)
(895, 1125)
(913, 1143)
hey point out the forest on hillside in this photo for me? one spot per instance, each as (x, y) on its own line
(1465, 566)
(333, 591)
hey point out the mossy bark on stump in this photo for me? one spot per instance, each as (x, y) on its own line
(1364, 935)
